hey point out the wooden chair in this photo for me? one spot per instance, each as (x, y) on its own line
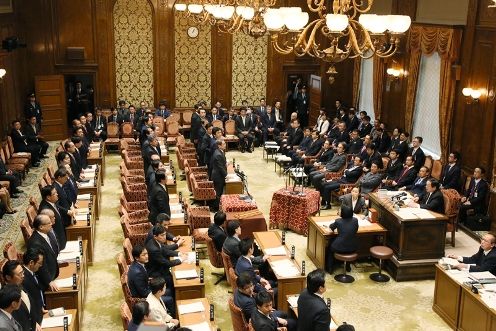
(437, 169)
(233, 277)
(174, 116)
(130, 300)
(127, 130)
(33, 202)
(159, 122)
(186, 124)
(13, 154)
(202, 190)
(428, 162)
(237, 317)
(31, 213)
(218, 124)
(226, 261)
(122, 263)
(26, 230)
(172, 131)
(126, 315)
(128, 250)
(452, 201)
(231, 137)
(112, 135)
(11, 165)
(10, 252)
(199, 222)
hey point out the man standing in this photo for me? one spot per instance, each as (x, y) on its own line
(219, 171)
(302, 106)
(62, 220)
(417, 153)
(32, 261)
(10, 301)
(33, 108)
(159, 198)
(313, 313)
(244, 128)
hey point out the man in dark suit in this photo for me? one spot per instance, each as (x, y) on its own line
(353, 120)
(371, 180)
(63, 219)
(245, 265)
(115, 117)
(13, 274)
(417, 153)
(219, 171)
(214, 115)
(159, 254)
(406, 176)
(231, 243)
(264, 318)
(373, 156)
(394, 167)
(483, 260)
(12, 177)
(150, 149)
(366, 127)
(450, 176)
(350, 176)
(19, 140)
(313, 313)
(343, 135)
(64, 203)
(132, 117)
(82, 149)
(32, 132)
(356, 144)
(216, 230)
(75, 165)
(122, 110)
(302, 106)
(337, 162)
(269, 124)
(230, 115)
(41, 240)
(244, 128)
(33, 108)
(196, 123)
(99, 125)
(10, 301)
(159, 197)
(295, 137)
(432, 199)
(204, 150)
(162, 110)
(310, 149)
(32, 261)
(325, 156)
(382, 140)
(164, 220)
(417, 188)
(476, 195)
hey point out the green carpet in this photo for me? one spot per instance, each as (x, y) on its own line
(365, 304)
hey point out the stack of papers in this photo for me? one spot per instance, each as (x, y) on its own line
(176, 208)
(95, 145)
(325, 224)
(448, 261)
(81, 217)
(293, 301)
(71, 246)
(83, 210)
(173, 196)
(363, 222)
(285, 268)
(86, 196)
(189, 308)
(184, 274)
(57, 321)
(91, 183)
(489, 299)
(482, 275)
(204, 326)
(190, 258)
(67, 256)
(178, 215)
(276, 251)
(63, 282)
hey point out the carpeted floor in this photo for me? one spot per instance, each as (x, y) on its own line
(365, 304)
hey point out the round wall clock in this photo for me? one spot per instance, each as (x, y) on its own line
(193, 32)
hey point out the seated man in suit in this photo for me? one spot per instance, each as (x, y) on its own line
(325, 156)
(371, 180)
(475, 196)
(141, 315)
(346, 242)
(313, 313)
(10, 302)
(245, 264)
(310, 149)
(263, 318)
(21, 145)
(269, 124)
(417, 188)
(450, 176)
(356, 144)
(244, 128)
(231, 243)
(159, 197)
(138, 280)
(393, 168)
(13, 177)
(99, 125)
(41, 240)
(164, 220)
(295, 137)
(337, 162)
(216, 230)
(373, 156)
(32, 261)
(405, 177)
(483, 260)
(350, 176)
(32, 131)
(432, 199)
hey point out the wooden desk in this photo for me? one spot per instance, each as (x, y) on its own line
(196, 318)
(83, 230)
(178, 227)
(458, 306)
(187, 288)
(96, 191)
(73, 326)
(319, 239)
(285, 285)
(293, 311)
(97, 156)
(68, 297)
(417, 243)
(234, 184)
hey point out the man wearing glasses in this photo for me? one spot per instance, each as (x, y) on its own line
(483, 260)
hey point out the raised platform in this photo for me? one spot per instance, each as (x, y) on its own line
(411, 269)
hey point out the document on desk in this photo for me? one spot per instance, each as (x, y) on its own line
(183, 274)
(176, 208)
(448, 261)
(325, 224)
(293, 301)
(63, 282)
(189, 308)
(489, 299)
(482, 275)
(423, 213)
(67, 256)
(458, 275)
(83, 210)
(204, 326)
(285, 268)
(94, 146)
(81, 217)
(363, 222)
(56, 321)
(89, 172)
(71, 246)
(407, 213)
(276, 251)
(86, 196)
(177, 215)
(190, 258)
(91, 183)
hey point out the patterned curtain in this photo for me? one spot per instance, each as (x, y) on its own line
(356, 81)
(379, 70)
(446, 42)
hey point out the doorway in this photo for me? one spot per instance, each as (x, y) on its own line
(80, 95)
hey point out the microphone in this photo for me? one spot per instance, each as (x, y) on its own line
(398, 196)
(287, 170)
(240, 174)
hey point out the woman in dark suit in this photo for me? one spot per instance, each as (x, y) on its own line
(346, 241)
(354, 201)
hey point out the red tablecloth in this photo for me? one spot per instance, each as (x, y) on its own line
(250, 223)
(232, 202)
(291, 210)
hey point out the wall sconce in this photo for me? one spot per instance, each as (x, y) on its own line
(493, 5)
(395, 73)
(471, 95)
(2, 72)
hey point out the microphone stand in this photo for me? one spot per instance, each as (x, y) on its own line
(300, 173)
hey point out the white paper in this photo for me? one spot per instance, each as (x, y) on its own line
(63, 282)
(448, 261)
(424, 213)
(285, 268)
(95, 145)
(57, 321)
(83, 210)
(86, 196)
(482, 275)
(71, 246)
(189, 308)
(91, 183)
(276, 251)
(81, 217)
(489, 299)
(406, 214)
(363, 222)
(178, 215)
(189, 273)
(190, 258)
(176, 208)
(89, 172)
(392, 193)
(293, 301)
(173, 196)
(325, 224)
(67, 257)
(203, 326)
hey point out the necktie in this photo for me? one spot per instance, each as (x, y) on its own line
(41, 292)
(53, 242)
(132, 117)
(474, 188)
(428, 198)
(405, 169)
(419, 181)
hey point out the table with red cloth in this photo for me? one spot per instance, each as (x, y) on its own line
(291, 210)
(250, 221)
(232, 202)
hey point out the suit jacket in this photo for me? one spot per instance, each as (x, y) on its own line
(243, 265)
(302, 103)
(261, 322)
(24, 317)
(50, 268)
(353, 123)
(482, 262)
(32, 287)
(346, 241)
(336, 163)
(382, 142)
(137, 280)
(355, 146)
(231, 247)
(313, 313)
(269, 121)
(406, 178)
(435, 202)
(402, 149)
(305, 143)
(370, 182)
(477, 194)
(393, 144)
(314, 147)
(196, 123)
(393, 170)
(159, 263)
(374, 158)
(158, 312)
(347, 200)
(352, 174)
(71, 189)
(219, 167)
(75, 165)
(246, 127)
(210, 117)
(163, 113)
(295, 137)
(450, 177)
(19, 141)
(158, 202)
(33, 110)
(119, 119)
(418, 186)
(134, 121)
(218, 236)
(61, 222)
(325, 156)
(245, 303)
(64, 203)
(30, 133)
(7, 324)
(99, 123)
(418, 157)
(365, 130)
(122, 112)
(342, 137)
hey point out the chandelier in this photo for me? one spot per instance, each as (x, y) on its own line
(345, 32)
(230, 16)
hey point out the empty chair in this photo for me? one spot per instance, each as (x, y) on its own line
(381, 253)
